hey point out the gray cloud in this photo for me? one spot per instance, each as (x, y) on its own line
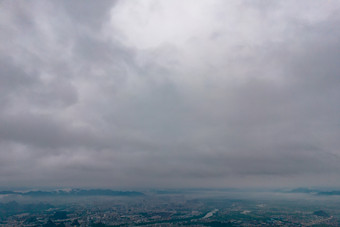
(169, 94)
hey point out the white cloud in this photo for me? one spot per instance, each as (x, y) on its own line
(156, 93)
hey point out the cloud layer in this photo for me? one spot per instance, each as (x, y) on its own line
(169, 93)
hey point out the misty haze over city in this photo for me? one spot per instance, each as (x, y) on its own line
(169, 94)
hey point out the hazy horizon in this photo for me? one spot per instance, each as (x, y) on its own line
(169, 94)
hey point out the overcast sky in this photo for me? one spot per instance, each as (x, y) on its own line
(177, 93)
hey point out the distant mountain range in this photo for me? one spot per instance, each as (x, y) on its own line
(315, 191)
(75, 192)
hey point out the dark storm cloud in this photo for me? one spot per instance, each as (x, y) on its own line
(169, 94)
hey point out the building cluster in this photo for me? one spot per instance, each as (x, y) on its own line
(169, 211)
